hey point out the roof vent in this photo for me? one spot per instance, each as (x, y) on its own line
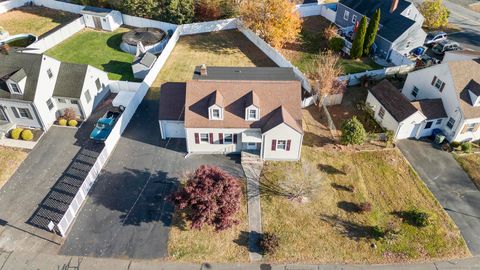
(203, 70)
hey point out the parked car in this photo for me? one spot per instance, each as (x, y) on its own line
(104, 126)
(435, 37)
(445, 46)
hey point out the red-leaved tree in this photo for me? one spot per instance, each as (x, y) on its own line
(211, 197)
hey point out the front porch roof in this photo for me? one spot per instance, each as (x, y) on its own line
(252, 136)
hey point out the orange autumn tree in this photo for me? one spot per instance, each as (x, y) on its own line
(276, 21)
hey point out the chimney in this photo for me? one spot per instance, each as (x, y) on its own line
(394, 6)
(203, 70)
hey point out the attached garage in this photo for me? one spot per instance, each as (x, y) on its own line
(172, 110)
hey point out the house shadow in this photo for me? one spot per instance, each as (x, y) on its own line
(140, 196)
(123, 69)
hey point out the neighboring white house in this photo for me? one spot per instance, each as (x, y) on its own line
(102, 18)
(36, 88)
(457, 84)
(231, 109)
(460, 55)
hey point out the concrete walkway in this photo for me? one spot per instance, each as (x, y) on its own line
(252, 166)
(451, 186)
(30, 261)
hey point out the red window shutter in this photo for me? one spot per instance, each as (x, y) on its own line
(289, 142)
(211, 138)
(274, 145)
(220, 138)
(235, 138)
(434, 79)
(197, 138)
(441, 87)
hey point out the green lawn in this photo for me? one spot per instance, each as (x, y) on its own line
(329, 227)
(99, 49)
(34, 20)
(351, 66)
(471, 164)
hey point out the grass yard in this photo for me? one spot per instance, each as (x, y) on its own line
(303, 52)
(329, 227)
(10, 159)
(99, 49)
(34, 20)
(187, 245)
(471, 164)
(223, 48)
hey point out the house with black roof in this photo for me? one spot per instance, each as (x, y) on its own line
(35, 89)
(400, 28)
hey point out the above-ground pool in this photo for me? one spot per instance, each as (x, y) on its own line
(153, 40)
(21, 41)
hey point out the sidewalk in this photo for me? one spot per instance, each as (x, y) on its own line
(26, 261)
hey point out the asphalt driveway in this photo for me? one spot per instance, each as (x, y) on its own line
(126, 214)
(450, 185)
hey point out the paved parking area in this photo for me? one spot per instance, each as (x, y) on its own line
(451, 186)
(126, 214)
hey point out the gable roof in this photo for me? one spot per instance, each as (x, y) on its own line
(463, 73)
(97, 11)
(431, 108)
(70, 80)
(172, 102)
(14, 62)
(392, 100)
(272, 95)
(216, 98)
(246, 73)
(252, 99)
(18, 76)
(394, 24)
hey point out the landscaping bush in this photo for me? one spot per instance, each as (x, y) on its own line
(353, 132)
(416, 217)
(16, 133)
(27, 135)
(455, 144)
(377, 232)
(365, 207)
(336, 44)
(268, 243)
(72, 123)
(69, 114)
(330, 32)
(62, 122)
(467, 147)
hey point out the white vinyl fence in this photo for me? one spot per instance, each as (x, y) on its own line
(118, 86)
(328, 11)
(58, 36)
(378, 74)
(8, 5)
(206, 27)
(307, 10)
(59, 5)
(273, 54)
(142, 22)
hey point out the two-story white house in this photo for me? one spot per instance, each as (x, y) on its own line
(35, 89)
(231, 109)
(444, 97)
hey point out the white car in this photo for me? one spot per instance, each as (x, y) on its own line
(435, 37)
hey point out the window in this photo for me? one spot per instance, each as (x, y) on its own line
(228, 138)
(408, 12)
(22, 113)
(49, 73)
(408, 44)
(88, 97)
(98, 84)
(439, 122)
(450, 123)
(61, 100)
(215, 113)
(414, 91)
(50, 104)
(381, 113)
(354, 18)
(15, 88)
(346, 15)
(281, 145)
(252, 114)
(429, 124)
(203, 137)
(439, 84)
(470, 127)
(74, 101)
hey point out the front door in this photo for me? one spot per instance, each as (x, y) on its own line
(97, 22)
(251, 146)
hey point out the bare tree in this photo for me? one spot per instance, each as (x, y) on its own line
(325, 74)
(303, 182)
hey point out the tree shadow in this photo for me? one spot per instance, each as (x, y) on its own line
(268, 187)
(349, 207)
(249, 240)
(329, 169)
(352, 230)
(342, 187)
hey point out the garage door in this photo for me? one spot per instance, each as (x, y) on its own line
(173, 129)
(408, 131)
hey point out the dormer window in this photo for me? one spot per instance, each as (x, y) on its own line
(215, 108)
(252, 107)
(252, 114)
(216, 114)
(15, 88)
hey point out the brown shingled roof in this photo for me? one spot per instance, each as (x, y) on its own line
(431, 108)
(272, 94)
(392, 100)
(463, 72)
(216, 98)
(252, 99)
